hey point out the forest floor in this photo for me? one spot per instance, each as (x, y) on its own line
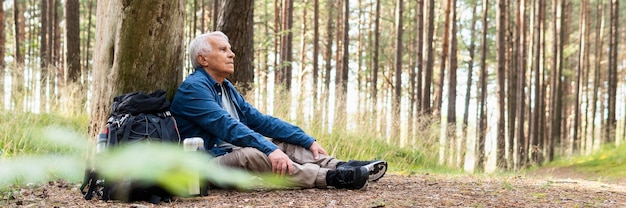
(545, 187)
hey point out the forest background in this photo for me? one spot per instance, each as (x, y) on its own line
(480, 85)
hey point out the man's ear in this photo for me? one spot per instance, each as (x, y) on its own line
(201, 60)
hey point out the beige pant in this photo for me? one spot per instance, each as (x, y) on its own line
(308, 172)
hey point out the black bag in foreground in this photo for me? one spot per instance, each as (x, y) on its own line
(135, 117)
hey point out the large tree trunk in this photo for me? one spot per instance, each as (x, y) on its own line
(138, 47)
(235, 20)
(73, 40)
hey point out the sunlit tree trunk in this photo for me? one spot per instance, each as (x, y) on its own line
(341, 69)
(611, 123)
(455, 149)
(316, 51)
(444, 59)
(428, 50)
(470, 72)
(520, 56)
(328, 59)
(555, 82)
(397, 95)
(44, 52)
(304, 92)
(501, 30)
(375, 64)
(17, 89)
(482, 112)
(579, 73)
(18, 19)
(123, 33)
(284, 70)
(86, 70)
(537, 93)
(419, 19)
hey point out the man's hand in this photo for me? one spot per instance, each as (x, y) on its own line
(317, 149)
(281, 163)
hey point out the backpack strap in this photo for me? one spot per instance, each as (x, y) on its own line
(165, 131)
(127, 126)
(91, 177)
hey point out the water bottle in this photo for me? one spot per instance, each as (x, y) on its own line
(191, 145)
(102, 142)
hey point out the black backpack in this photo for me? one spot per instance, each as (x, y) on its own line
(135, 117)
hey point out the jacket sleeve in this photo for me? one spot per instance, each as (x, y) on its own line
(199, 105)
(273, 127)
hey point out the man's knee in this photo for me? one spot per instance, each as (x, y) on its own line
(254, 159)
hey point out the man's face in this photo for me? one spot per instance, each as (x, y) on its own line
(219, 62)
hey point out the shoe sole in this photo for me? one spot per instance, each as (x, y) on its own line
(376, 170)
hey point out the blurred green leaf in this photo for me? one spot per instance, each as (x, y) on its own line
(36, 169)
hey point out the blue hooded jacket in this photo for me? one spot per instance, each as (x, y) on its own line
(197, 108)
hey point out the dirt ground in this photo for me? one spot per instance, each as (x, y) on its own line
(542, 188)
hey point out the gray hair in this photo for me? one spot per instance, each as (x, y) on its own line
(201, 46)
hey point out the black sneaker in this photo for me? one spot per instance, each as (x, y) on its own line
(377, 168)
(348, 177)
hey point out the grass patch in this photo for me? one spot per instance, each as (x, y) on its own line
(20, 133)
(609, 162)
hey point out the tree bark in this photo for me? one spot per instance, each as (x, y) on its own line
(482, 112)
(538, 96)
(470, 71)
(87, 47)
(611, 123)
(455, 154)
(437, 102)
(328, 59)
(137, 44)
(520, 33)
(501, 31)
(284, 72)
(375, 58)
(235, 20)
(428, 50)
(579, 72)
(316, 51)
(397, 96)
(72, 25)
(420, 54)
